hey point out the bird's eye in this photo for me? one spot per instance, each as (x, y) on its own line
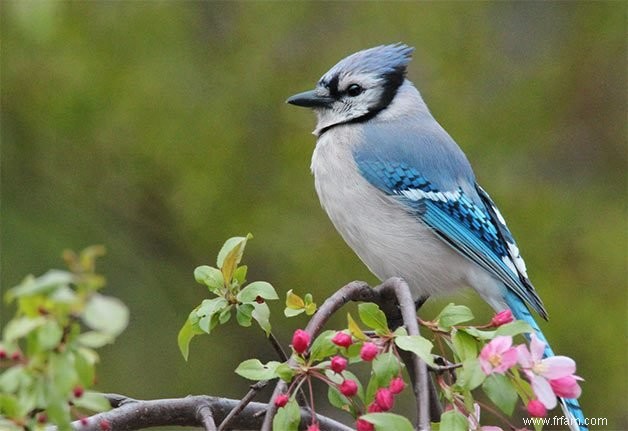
(354, 90)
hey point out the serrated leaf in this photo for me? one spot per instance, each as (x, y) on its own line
(244, 314)
(373, 317)
(210, 277)
(253, 369)
(465, 346)
(501, 392)
(187, 332)
(257, 288)
(288, 417)
(209, 311)
(230, 256)
(106, 314)
(453, 315)
(388, 421)
(453, 420)
(322, 347)
(261, 313)
(418, 345)
(355, 329)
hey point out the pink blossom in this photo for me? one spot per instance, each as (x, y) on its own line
(385, 399)
(566, 387)
(362, 425)
(369, 351)
(498, 355)
(537, 409)
(397, 385)
(541, 371)
(338, 364)
(501, 318)
(281, 400)
(300, 341)
(342, 339)
(348, 388)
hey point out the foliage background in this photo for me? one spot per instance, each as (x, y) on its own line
(159, 130)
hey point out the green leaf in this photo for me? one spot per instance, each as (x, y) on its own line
(208, 313)
(385, 367)
(261, 313)
(501, 391)
(465, 345)
(94, 401)
(479, 334)
(44, 284)
(389, 421)
(49, 335)
(253, 369)
(239, 274)
(288, 417)
(11, 379)
(9, 408)
(285, 372)
(94, 339)
(210, 277)
(21, 326)
(188, 331)
(244, 314)
(514, 328)
(453, 315)
(373, 317)
(453, 420)
(355, 329)
(63, 373)
(294, 301)
(418, 345)
(230, 256)
(106, 314)
(322, 347)
(255, 289)
(471, 375)
(291, 312)
(84, 365)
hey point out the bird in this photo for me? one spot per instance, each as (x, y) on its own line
(403, 195)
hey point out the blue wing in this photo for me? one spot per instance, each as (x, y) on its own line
(464, 217)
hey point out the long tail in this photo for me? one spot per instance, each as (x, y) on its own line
(571, 407)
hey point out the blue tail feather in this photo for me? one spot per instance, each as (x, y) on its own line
(570, 407)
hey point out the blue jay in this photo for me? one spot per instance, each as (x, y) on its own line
(402, 193)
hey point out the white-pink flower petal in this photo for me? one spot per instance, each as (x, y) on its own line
(543, 391)
(558, 366)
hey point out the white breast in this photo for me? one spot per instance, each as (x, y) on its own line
(386, 237)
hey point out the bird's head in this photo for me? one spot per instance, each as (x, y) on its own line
(358, 87)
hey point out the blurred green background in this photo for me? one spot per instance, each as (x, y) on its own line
(159, 129)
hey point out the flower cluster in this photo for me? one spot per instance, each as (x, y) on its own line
(549, 377)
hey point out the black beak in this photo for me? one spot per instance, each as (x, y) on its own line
(310, 99)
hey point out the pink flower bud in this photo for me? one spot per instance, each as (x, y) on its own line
(501, 318)
(566, 387)
(362, 425)
(313, 427)
(374, 408)
(78, 391)
(348, 388)
(281, 400)
(537, 409)
(300, 341)
(385, 399)
(397, 385)
(104, 425)
(338, 364)
(342, 339)
(369, 351)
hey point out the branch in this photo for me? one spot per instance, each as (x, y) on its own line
(421, 382)
(193, 411)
